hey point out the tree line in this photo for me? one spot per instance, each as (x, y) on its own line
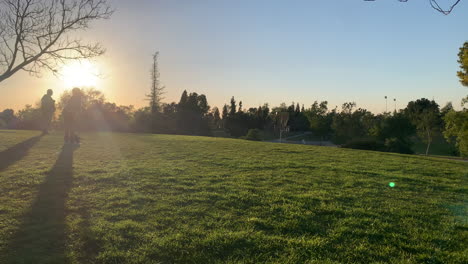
(348, 126)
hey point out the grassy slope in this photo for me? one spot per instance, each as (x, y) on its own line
(123, 198)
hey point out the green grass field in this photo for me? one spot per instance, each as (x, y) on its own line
(134, 198)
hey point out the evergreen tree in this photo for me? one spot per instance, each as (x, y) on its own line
(232, 111)
(224, 115)
(183, 98)
(225, 112)
(216, 117)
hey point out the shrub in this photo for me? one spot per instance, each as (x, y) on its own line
(398, 145)
(365, 144)
(254, 134)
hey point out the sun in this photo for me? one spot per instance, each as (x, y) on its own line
(80, 74)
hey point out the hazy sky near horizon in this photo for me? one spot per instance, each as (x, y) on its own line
(271, 51)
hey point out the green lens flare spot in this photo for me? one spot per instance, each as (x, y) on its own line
(391, 184)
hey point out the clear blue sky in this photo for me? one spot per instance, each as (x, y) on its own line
(278, 51)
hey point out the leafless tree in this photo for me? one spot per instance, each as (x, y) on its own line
(436, 6)
(36, 34)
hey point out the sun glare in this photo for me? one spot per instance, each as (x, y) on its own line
(80, 74)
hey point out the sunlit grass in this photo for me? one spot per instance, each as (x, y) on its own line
(131, 198)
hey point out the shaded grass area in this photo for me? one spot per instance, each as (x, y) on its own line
(123, 198)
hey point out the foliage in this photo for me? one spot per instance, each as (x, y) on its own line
(365, 144)
(463, 61)
(319, 119)
(98, 114)
(238, 123)
(29, 118)
(456, 128)
(139, 198)
(425, 116)
(192, 112)
(398, 145)
(7, 118)
(254, 134)
(396, 126)
(350, 125)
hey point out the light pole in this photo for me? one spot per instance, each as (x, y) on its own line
(394, 100)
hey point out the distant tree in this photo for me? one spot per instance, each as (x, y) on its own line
(225, 115)
(142, 120)
(348, 107)
(394, 129)
(319, 119)
(351, 125)
(37, 34)
(157, 90)
(29, 118)
(192, 112)
(456, 129)
(7, 118)
(100, 115)
(447, 108)
(240, 106)
(254, 134)
(232, 109)
(425, 116)
(216, 117)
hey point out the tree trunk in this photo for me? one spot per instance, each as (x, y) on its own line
(428, 142)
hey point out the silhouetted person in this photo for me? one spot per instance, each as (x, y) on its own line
(47, 110)
(70, 113)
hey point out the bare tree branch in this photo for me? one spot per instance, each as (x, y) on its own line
(36, 34)
(435, 5)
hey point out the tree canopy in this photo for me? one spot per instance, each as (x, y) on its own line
(463, 60)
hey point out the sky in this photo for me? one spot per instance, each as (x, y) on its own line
(272, 51)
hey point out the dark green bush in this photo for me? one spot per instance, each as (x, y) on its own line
(390, 145)
(254, 134)
(365, 144)
(398, 145)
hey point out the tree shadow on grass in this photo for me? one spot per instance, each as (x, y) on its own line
(41, 236)
(17, 152)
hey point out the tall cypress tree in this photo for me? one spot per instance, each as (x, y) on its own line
(232, 111)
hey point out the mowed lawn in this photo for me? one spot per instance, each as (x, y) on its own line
(130, 198)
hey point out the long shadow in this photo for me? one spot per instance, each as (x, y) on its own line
(42, 235)
(17, 152)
